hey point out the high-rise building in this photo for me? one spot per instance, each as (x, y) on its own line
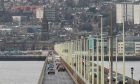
(128, 12)
(50, 13)
(1, 5)
(124, 12)
(39, 12)
(76, 2)
(45, 28)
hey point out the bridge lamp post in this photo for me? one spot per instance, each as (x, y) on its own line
(97, 53)
(123, 22)
(132, 69)
(84, 57)
(123, 49)
(81, 60)
(102, 50)
(116, 65)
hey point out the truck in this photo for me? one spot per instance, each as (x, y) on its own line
(50, 59)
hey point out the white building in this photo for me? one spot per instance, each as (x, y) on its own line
(120, 48)
(131, 48)
(128, 12)
(137, 48)
(39, 12)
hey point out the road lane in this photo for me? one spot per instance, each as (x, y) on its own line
(58, 78)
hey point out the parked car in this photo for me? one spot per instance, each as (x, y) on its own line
(51, 70)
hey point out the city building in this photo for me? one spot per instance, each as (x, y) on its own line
(76, 2)
(1, 5)
(128, 12)
(50, 13)
(137, 48)
(131, 48)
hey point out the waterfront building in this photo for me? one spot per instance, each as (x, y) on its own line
(131, 48)
(137, 48)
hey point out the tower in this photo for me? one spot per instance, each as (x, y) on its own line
(45, 28)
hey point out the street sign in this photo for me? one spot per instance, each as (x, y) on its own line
(91, 42)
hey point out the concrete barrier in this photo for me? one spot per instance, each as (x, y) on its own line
(40, 81)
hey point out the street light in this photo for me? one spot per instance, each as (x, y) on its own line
(132, 69)
(123, 50)
(102, 50)
(116, 57)
(97, 54)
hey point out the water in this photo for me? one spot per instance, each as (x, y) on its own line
(129, 64)
(20, 72)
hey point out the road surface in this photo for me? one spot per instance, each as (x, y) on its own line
(58, 78)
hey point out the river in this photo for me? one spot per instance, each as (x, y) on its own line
(20, 72)
(128, 65)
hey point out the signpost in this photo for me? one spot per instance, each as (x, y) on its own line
(91, 42)
(91, 50)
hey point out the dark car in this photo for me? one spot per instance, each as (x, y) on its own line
(61, 68)
(57, 62)
(120, 79)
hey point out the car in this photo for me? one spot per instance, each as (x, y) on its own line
(120, 79)
(50, 58)
(61, 68)
(113, 75)
(57, 62)
(51, 70)
(50, 65)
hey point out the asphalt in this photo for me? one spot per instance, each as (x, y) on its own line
(57, 78)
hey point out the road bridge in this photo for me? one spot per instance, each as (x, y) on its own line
(79, 69)
(84, 62)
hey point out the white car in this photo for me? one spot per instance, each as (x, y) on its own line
(51, 70)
